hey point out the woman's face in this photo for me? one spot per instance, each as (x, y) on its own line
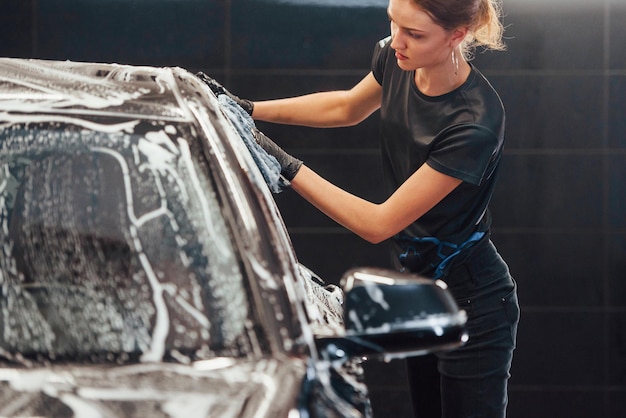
(418, 41)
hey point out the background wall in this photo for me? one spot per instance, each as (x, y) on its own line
(559, 208)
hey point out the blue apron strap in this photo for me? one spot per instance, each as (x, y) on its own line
(476, 236)
(445, 260)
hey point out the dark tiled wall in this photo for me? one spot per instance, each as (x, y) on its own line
(560, 206)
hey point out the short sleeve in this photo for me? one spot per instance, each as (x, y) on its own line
(467, 152)
(379, 58)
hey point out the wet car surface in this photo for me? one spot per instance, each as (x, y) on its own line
(146, 271)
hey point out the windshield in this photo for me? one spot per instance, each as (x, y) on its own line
(114, 246)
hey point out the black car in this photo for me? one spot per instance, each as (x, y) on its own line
(145, 270)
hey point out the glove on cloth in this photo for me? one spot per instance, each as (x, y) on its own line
(289, 165)
(218, 89)
(244, 125)
(268, 164)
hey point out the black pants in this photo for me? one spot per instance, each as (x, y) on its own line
(471, 381)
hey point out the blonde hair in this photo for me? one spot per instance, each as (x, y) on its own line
(482, 17)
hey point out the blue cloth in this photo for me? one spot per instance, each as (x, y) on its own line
(244, 124)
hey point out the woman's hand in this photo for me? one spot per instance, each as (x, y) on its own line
(218, 89)
(289, 165)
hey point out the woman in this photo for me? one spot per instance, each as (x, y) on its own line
(442, 136)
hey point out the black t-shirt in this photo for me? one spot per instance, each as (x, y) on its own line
(459, 134)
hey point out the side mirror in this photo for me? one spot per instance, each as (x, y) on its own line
(396, 315)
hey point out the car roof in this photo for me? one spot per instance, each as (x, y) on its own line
(95, 89)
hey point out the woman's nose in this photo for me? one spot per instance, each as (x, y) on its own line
(396, 40)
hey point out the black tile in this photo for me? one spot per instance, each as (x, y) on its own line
(560, 349)
(272, 34)
(331, 254)
(273, 84)
(550, 191)
(617, 34)
(359, 174)
(562, 269)
(617, 191)
(360, 139)
(617, 349)
(617, 402)
(16, 28)
(182, 33)
(298, 213)
(552, 111)
(617, 112)
(617, 270)
(543, 35)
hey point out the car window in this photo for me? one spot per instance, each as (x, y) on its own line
(114, 246)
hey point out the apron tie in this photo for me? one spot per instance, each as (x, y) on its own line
(445, 259)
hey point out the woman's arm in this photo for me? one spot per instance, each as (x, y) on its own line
(372, 222)
(376, 222)
(325, 109)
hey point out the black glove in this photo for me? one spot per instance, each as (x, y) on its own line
(218, 89)
(289, 165)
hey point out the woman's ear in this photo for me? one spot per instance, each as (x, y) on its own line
(458, 35)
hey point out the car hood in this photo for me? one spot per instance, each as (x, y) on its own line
(215, 388)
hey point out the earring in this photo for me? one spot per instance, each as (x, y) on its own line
(455, 62)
